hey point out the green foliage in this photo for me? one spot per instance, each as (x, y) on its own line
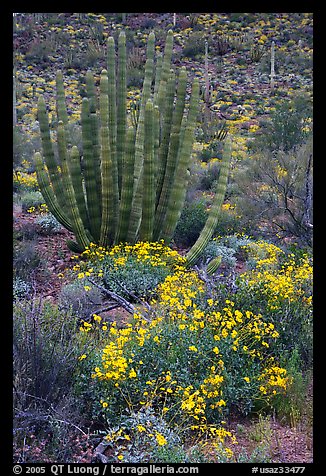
(23, 147)
(191, 222)
(26, 260)
(39, 51)
(74, 298)
(45, 351)
(213, 249)
(275, 195)
(31, 199)
(194, 46)
(295, 406)
(290, 125)
(209, 176)
(132, 272)
(280, 287)
(257, 51)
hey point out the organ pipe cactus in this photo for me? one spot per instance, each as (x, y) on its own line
(207, 232)
(129, 180)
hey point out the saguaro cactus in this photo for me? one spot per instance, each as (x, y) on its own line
(127, 183)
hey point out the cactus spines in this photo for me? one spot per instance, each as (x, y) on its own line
(127, 182)
(212, 220)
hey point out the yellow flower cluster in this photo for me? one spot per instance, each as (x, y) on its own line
(43, 208)
(155, 254)
(178, 293)
(265, 254)
(26, 179)
(289, 282)
(237, 330)
(273, 378)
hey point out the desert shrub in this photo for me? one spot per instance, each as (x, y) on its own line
(47, 346)
(27, 231)
(211, 150)
(279, 286)
(195, 362)
(131, 271)
(213, 249)
(230, 221)
(194, 46)
(290, 125)
(48, 224)
(93, 54)
(144, 436)
(209, 174)
(135, 78)
(81, 302)
(39, 51)
(274, 193)
(23, 147)
(26, 260)
(31, 199)
(46, 350)
(295, 407)
(192, 220)
(24, 182)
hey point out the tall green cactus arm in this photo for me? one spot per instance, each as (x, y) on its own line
(212, 220)
(213, 265)
(51, 163)
(112, 95)
(48, 194)
(61, 99)
(147, 223)
(89, 172)
(91, 94)
(61, 108)
(148, 78)
(164, 187)
(77, 182)
(78, 228)
(126, 186)
(164, 73)
(156, 140)
(107, 225)
(136, 212)
(166, 131)
(158, 69)
(178, 191)
(121, 104)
